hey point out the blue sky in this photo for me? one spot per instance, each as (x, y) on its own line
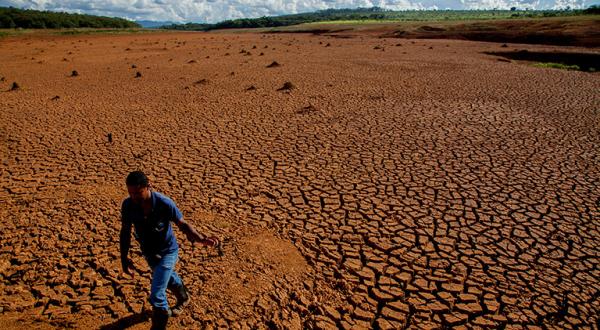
(212, 11)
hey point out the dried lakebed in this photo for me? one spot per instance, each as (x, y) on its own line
(392, 183)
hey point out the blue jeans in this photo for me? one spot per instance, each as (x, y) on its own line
(163, 276)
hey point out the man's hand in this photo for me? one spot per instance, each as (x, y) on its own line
(210, 241)
(206, 241)
(127, 266)
(194, 237)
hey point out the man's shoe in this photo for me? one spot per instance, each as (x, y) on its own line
(183, 299)
(160, 318)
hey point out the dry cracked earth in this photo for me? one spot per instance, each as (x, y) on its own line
(357, 183)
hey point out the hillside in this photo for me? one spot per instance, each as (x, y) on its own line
(566, 31)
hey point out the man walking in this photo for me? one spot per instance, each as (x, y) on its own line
(151, 214)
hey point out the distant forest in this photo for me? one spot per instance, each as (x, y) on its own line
(377, 13)
(11, 18)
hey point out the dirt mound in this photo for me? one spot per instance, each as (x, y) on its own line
(427, 28)
(253, 263)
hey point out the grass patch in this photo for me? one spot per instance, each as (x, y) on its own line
(354, 22)
(13, 32)
(74, 31)
(102, 31)
(558, 66)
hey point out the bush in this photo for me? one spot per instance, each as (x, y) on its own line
(592, 10)
(558, 66)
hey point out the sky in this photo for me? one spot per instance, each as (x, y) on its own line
(213, 11)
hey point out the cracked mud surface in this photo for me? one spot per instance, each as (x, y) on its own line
(405, 183)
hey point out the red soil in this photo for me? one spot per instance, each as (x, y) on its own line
(421, 184)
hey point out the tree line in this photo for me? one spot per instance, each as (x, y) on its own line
(377, 13)
(11, 18)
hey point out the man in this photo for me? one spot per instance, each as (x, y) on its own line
(151, 214)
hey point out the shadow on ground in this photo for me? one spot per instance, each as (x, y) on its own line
(127, 321)
(585, 61)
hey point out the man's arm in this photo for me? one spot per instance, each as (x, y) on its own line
(193, 235)
(125, 243)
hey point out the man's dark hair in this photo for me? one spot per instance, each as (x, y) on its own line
(137, 178)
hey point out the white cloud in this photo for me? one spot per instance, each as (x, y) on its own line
(212, 11)
(561, 4)
(503, 4)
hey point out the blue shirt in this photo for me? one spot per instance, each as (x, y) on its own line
(154, 232)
